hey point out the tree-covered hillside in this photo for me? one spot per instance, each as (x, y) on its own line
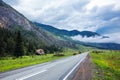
(14, 43)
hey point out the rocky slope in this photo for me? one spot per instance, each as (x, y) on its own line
(13, 20)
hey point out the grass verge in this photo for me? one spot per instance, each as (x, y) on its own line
(108, 65)
(10, 63)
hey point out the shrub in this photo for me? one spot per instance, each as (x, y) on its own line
(97, 51)
(75, 53)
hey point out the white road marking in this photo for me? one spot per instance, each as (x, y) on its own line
(65, 78)
(25, 77)
(47, 67)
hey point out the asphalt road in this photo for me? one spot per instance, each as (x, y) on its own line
(54, 70)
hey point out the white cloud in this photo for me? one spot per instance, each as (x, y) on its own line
(114, 38)
(52, 12)
(101, 3)
(66, 14)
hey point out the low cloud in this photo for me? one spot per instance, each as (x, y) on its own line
(113, 38)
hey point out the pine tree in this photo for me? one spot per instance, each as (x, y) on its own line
(2, 48)
(2, 43)
(10, 45)
(19, 51)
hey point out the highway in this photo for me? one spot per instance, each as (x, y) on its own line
(55, 70)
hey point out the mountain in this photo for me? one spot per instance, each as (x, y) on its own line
(67, 36)
(65, 33)
(14, 21)
(109, 46)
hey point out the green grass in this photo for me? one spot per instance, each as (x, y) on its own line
(108, 64)
(10, 63)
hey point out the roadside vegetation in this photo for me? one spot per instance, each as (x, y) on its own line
(107, 65)
(10, 63)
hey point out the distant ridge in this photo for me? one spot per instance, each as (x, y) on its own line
(61, 32)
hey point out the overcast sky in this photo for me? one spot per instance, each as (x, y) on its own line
(102, 16)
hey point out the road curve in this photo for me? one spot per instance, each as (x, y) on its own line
(55, 70)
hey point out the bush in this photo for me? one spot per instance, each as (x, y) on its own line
(75, 53)
(53, 48)
(96, 51)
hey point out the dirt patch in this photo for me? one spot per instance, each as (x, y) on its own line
(85, 71)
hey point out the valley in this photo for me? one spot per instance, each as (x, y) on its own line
(49, 41)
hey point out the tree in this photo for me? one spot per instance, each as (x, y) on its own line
(10, 46)
(2, 48)
(19, 51)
